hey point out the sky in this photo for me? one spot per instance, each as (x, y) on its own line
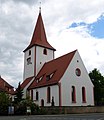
(69, 25)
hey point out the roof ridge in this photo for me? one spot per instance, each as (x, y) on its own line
(62, 56)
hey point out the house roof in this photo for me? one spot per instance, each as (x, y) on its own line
(39, 36)
(25, 82)
(4, 85)
(52, 71)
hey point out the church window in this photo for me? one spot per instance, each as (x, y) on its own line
(45, 51)
(29, 52)
(48, 95)
(31, 94)
(78, 72)
(42, 103)
(83, 95)
(37, 95)
(73, 94)
(29, 61)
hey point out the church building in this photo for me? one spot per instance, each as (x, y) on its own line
(63, 81)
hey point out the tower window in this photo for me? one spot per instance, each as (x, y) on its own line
(29, 52)
(45, 51)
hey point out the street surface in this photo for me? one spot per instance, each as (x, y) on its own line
(92, 116)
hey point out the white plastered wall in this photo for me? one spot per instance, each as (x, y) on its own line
(43, 95)
(42, 58)
(29, 68)
(71, 79)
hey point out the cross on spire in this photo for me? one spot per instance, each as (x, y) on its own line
(40, 7)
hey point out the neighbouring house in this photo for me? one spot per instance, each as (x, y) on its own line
(62, 81)
(6, 87)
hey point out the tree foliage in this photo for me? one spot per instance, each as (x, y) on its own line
(4, 103)
(19, 94)
(98, 81)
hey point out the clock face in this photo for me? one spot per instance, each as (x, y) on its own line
(78, 72)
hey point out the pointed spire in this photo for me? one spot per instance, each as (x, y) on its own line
(39, 36)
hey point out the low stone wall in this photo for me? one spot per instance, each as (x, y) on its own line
(74, 110)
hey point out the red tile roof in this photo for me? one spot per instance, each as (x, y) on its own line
(4, 86)
(39, 36)
(25, 82)
(53, 69)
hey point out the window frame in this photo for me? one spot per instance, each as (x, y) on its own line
(83, 94)
(45, 51)
(48, 94)
(73, 94)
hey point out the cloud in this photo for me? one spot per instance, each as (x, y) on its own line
(17, 21)
(91, 49)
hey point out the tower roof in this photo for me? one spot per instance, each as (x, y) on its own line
(39, 36)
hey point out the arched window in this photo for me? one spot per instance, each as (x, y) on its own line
(31, 94)
(73, 94)
(42, 102)
(45, 51)
(83, 95)
(37, 95)
(48, 95)
(29, 52)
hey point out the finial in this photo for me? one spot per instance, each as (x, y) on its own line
(40, 7)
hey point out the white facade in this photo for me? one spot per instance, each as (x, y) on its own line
(42, 92)
(34, 59)
(71, 79)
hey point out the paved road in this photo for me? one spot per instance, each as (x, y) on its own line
(93, 116)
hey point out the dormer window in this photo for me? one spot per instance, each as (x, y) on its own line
(29, 61)
(45, 51)
(39, 79)
(29, 52)
(48, 77)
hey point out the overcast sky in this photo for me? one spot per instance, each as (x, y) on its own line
(69, 25)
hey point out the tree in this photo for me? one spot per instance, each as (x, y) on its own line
(19, 94)
(4, 103)
(98, 81)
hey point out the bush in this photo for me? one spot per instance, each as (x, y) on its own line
(21, 107)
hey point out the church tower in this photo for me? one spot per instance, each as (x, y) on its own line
(38, 51)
